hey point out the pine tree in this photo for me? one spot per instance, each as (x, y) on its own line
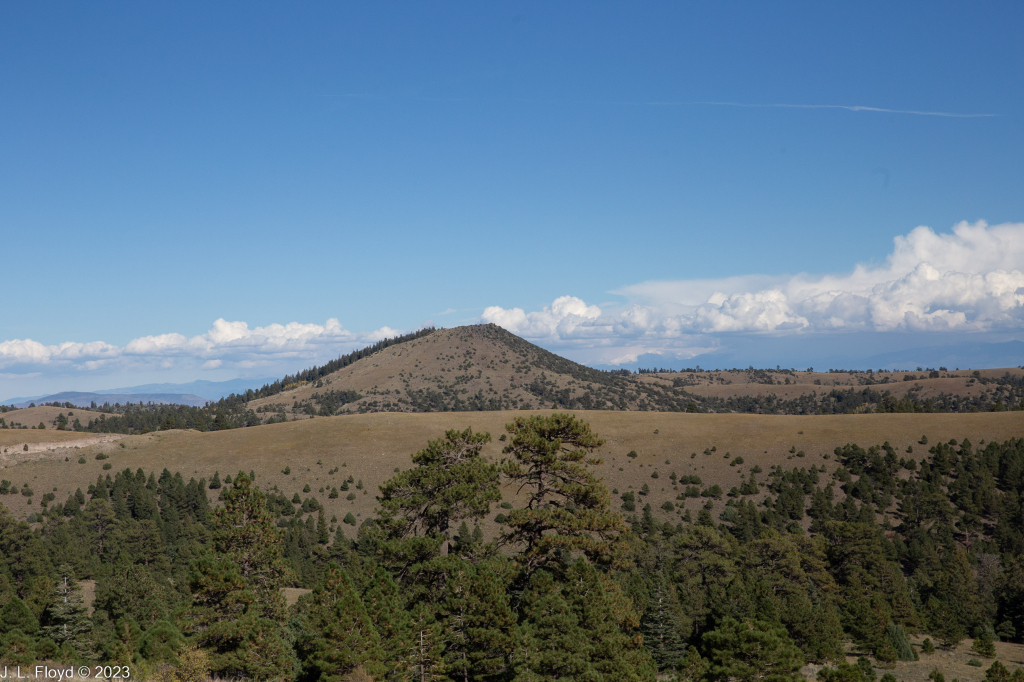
(386, 608)
(983, 644)
(704, 568)
(450, 482)
(322, 533)
(161, 642)
(944, 623)
(476, 618)
(16, 616)
(795, 586)
(247, 536)
(661, 626)
(752, 650)
(68, 617)
(607, 617)
(490, 621)
(338, 635)
(238, 611)
(568, 508)
(426, 655)
(16, 650)
(550, 645)
(133, 592)
(100, 521)
(997, 672)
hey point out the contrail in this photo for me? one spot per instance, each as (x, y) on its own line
(945, 114)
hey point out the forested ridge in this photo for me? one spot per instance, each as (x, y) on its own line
(576, 585)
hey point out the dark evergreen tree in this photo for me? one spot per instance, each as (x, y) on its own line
(14, 615)
(67, 618)
(752, 650)
(662, 627)
(386, 608)
(337, 634)
(568, 508)
(449, 483)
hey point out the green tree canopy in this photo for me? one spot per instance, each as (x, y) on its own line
(751, 650)
(568, 508)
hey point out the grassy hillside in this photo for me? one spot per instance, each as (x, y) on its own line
(30, 418)
(485, 368)
(479, 367)
(371, 447)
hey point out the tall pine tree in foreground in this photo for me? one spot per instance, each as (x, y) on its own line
(568, 509)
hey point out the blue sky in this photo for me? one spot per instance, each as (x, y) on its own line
(358, 170)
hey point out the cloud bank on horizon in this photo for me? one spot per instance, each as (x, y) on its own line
(968, 280)
(226, 343)
(971, 279)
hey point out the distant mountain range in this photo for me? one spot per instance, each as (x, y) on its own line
(195, 393)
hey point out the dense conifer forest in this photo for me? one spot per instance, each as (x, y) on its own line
(576, 585)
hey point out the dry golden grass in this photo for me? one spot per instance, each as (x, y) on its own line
(951, 663)
(727, 384)
(476, 357)
(32, 416)
(370, 447)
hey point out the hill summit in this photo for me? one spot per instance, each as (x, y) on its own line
(477, 367)
(486, 368)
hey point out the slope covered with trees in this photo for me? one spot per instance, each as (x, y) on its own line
(568, 589)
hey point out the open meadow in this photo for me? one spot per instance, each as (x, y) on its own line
(371, 447)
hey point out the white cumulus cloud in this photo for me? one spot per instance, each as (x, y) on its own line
(226, 343)
(970, 279)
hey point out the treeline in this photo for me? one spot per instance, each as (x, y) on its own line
(146, 418)
(569, 589)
